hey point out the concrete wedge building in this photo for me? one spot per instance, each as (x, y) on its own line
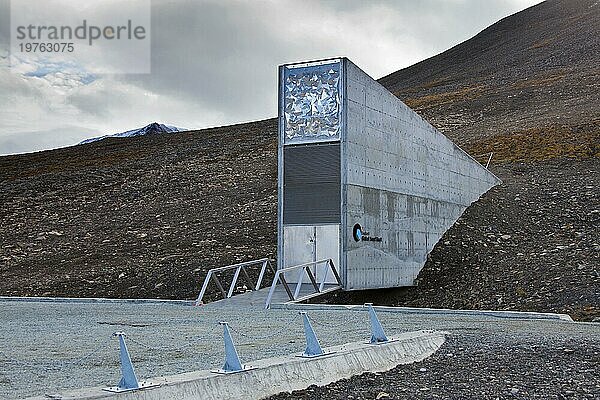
(363, 180)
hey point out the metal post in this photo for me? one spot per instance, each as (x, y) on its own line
(489, 160)
(203, 290)
(216, 281)
(234, 281)
(286, 287)
(128, 379)
(232, 360)
(313, 348)
(335, 272)
(272, 290)
(247, 278)
(377, 333)
(322, 285)
(299, 282)
(313, 280)
(262, 274)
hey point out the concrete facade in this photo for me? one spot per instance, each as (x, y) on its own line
(403, 183)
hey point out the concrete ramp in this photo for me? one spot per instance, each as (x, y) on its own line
(257, 299)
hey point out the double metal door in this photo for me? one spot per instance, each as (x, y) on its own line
(308, 243)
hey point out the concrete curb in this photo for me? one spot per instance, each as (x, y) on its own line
(89, 300)
(280, 374)
(298, 306)
(439, 311)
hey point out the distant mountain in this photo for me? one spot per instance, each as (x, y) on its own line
(150, 129)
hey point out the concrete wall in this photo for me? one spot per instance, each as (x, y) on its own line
(402, 180)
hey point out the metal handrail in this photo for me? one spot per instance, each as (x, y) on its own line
(489, 160)
(239, 268)
(304, 269)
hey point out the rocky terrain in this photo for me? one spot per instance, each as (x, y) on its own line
(526, 89)
(480, 367)
(533, 73)
(137, 217)
(148, 216)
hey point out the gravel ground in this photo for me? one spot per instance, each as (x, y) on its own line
(147, 217)
(167, 339)
(471, 366)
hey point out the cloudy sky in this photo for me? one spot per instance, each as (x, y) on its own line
(215, 62)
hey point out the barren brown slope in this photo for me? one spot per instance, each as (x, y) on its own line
(518, 87)
(526, 88)
(147, 216)
(139, 217)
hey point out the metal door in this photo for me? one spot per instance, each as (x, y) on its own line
(298, 245)
(308, 243)
(327, 245)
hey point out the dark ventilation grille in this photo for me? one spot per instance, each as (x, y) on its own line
(311, 184)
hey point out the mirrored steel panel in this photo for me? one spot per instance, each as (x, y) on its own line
(312, 103)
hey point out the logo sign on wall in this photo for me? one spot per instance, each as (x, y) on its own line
(360, 235)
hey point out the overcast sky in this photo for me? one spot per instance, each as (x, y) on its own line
(215, 62)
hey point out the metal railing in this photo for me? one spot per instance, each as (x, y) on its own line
(489, 158)
(305, 269)
(239, 269)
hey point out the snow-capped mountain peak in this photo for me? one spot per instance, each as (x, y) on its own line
(150, 129)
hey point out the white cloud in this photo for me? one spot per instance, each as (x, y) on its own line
(215, 62)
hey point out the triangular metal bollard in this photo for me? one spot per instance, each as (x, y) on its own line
(377, 333)
(313, 347)
(232, 359)
(128, 380)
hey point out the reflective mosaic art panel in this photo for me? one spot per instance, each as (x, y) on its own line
(312, 105)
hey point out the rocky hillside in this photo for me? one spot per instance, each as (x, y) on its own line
(148, 216)
(530, 244)
(526, 87)
(137, 217)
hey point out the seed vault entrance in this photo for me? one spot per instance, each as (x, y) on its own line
(311, 206)
(362, 179)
